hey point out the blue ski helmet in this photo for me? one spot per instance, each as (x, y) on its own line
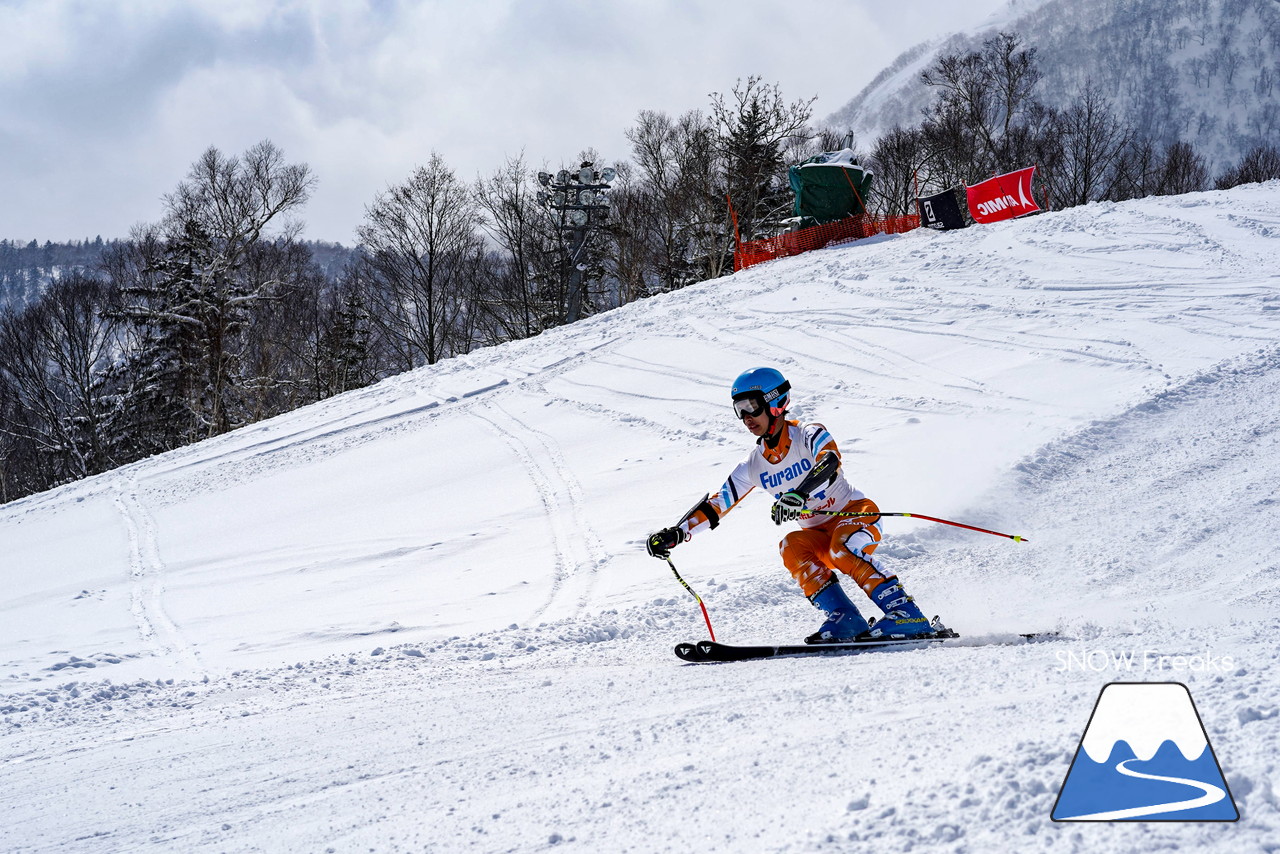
(760, 388)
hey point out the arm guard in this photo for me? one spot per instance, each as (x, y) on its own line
(707, 509)
(822, 475)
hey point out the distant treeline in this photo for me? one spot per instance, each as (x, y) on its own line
(221, 315)
(28, 267)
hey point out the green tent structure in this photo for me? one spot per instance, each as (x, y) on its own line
(829, 187)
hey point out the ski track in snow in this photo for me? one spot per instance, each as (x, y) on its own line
(378, 412)
(147, 578)
(1143, 333)
(579, 553)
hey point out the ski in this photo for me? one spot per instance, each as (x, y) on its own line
(704, 652)
(711, 651)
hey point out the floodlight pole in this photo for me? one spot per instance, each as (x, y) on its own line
(566, 197)
(573, 309)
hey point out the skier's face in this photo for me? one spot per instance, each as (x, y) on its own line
(757, 424)
(754, 413)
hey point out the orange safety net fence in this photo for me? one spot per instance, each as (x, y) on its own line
(817, 236)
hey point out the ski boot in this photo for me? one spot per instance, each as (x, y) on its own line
(902, 618)
(844, 623)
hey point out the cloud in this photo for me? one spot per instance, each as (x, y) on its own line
(105, 103)
(109, 64)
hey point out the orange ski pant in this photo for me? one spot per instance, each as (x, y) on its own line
(844, 544)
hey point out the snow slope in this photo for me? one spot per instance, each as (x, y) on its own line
(419, 616)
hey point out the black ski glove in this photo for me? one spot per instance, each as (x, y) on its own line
(660, 543)
(789, 506)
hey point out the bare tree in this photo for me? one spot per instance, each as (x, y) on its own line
(1265, 122)
(1092, 139)
(513, 220)
(52, 358)
(416, 235)
(679, 188)
(1229, 60)
(633, 242)
(988, 93)
(1137, 171)
(1261, 163)
(954, 153)
(200, 324)
(1182, 170)
(1265, 82)
(896, 159)
(834, 139)
(277, 358)
(235, 199)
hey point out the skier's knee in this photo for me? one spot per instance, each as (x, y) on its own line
(789, 543)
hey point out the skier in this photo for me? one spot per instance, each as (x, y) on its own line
(800, 465)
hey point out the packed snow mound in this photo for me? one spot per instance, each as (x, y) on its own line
(419, 616)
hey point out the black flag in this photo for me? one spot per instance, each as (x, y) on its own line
(946, 210)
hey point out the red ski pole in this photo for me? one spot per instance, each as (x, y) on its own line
(684, 583)
(1013, 537)
(705, 615)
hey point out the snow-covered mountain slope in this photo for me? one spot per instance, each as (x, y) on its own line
(419, 616)
(1203, 73)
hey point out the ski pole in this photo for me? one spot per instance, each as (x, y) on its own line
(1013, 537)
(705, 615)
(684, 583)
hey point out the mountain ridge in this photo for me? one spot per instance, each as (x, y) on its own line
(1202, 73)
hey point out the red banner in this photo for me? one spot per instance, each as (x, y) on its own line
(1002, 197)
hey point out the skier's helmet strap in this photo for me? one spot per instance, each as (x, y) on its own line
(760, 388)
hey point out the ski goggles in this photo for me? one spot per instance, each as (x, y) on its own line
(753, 406)
(755, 403)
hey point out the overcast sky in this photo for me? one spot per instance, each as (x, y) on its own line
(104, 104)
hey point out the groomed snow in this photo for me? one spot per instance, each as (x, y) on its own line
(419, 617)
